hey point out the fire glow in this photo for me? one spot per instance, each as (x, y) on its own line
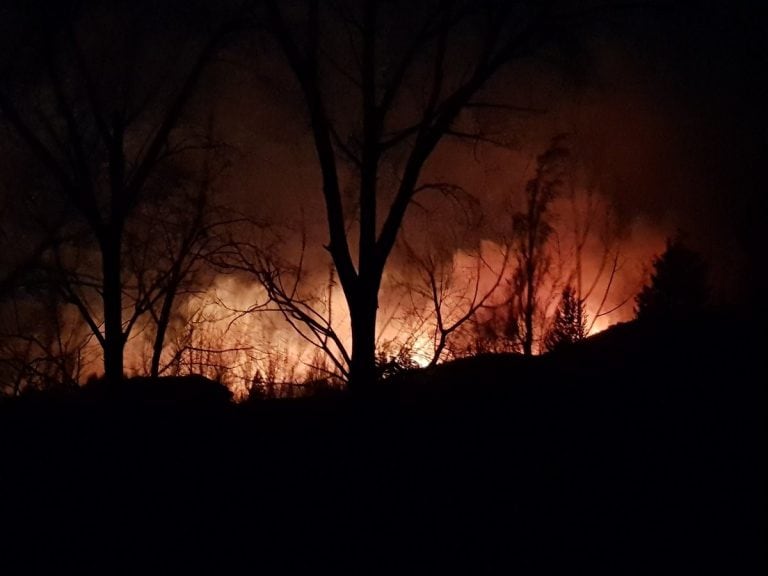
(224, 342)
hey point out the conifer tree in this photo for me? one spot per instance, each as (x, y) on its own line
(678, 287)
(570, 322)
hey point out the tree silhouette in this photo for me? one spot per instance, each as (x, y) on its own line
(405, 78)
(446, 296)
(41, 347)
(531, 233)
(591, 223)
(570, 322)
(679, 284)
(98, 113)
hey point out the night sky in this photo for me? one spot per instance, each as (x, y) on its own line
(663, 104)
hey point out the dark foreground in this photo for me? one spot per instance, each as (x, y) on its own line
(642, 451)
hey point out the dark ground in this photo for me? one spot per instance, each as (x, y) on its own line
(642, 450)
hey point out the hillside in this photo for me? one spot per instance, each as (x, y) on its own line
(639, 450)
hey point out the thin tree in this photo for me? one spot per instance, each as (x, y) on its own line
(186, 229)
(445, 298)
(531, 232)
(591, 220)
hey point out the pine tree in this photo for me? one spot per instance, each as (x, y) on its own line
(570, 322)
(678, 287)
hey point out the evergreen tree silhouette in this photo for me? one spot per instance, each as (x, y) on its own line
(679, 284)
(570, 322)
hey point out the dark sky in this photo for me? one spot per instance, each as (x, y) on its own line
(666, 105)
(664, 102)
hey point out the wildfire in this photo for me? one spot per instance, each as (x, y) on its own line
(232, 333)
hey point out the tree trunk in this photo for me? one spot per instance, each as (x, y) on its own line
(530, 309)
(114, 341)
(528, 340)
(162, 328)
(363, 308)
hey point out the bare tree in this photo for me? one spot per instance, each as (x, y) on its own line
(592, 221)
(531, 232)
(40, 346)
(446, 295)
(387, 52)
(205, 345)
(99, 116)
(288, 291)
(176, 235)
(560, 228)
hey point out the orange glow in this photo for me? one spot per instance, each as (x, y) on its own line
(222, 343)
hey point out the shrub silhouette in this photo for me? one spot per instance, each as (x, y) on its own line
(189, 390)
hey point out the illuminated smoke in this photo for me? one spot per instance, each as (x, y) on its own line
(223, 342)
